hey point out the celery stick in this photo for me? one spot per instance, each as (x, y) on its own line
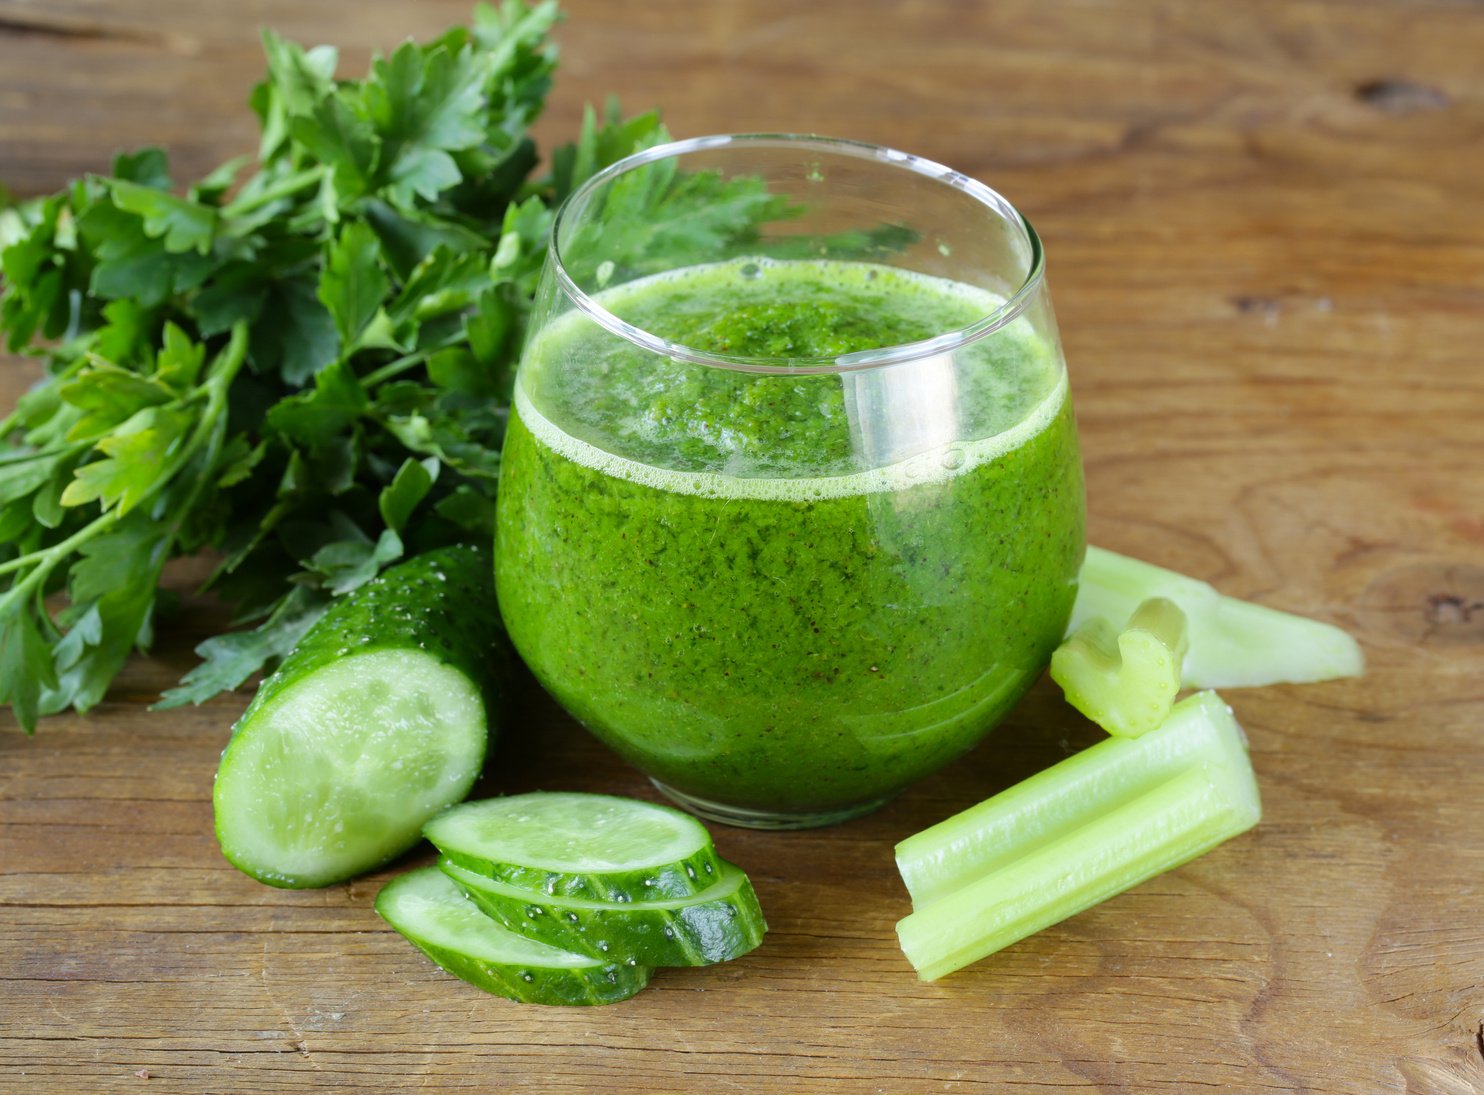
(1178, 820)
(1090, 827)
(1068, 796)
(1232, 643)
(1126, 681)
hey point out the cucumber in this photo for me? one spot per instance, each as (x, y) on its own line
(598, 847)
(720, 923)
(376, 721)
(431, 913)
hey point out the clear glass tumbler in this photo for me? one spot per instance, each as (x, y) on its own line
(791, 509)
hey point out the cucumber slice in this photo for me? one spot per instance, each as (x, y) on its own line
(374, 723)
(433, 914)
(718, 924)
(571, 844)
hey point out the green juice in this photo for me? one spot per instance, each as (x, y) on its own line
(788, 593)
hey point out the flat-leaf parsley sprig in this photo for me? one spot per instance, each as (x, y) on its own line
(304, 367)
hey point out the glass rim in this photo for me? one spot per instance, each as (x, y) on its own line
(900, 353)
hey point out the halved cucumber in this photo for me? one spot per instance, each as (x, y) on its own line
(373, 724)
(579, 845)
(433, 914)
(720, 923)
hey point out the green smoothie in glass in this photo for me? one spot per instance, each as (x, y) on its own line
(786, 593)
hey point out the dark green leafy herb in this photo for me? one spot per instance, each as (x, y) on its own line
(304, 368)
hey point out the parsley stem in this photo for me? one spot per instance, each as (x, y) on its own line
(47, 558)
(394, 368)
(284, 188)
(19, 455)
(215, 414)
(43, 617)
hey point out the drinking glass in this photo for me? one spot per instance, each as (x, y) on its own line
(791, 509)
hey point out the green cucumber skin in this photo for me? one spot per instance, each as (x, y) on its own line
(682, 879)
(526, 984)
(441, 602)
(555, 988)
(691, 935)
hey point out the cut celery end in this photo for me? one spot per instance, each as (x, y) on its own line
(1125, 682)
(1039, 811)
(1233, 643)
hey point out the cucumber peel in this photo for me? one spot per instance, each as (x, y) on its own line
(1126, 681)
(718, 924)
(1094, 825)
(376, 721)
(1233, 643)
(432, 913)
(571, 844)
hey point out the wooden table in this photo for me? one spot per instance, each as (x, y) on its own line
(1265, 223)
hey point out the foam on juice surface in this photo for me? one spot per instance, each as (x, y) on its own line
(605, 389)
(935, 465)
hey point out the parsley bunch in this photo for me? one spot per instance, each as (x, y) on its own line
(307, 372)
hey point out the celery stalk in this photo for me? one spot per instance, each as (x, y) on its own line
(1232, 643)
(1066, 796)
(1126, 681)
(1096, 824)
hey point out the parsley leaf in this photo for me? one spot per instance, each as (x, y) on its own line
(424, 103)
(183, 225)
(112, 589)
(25, 663)
(227, 661)
(352, 285)
(333, 406)
(132, 263)
(408, 487)
(294, 336)
(135, 457)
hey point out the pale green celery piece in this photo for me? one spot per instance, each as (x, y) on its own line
(1126, 681)
(1233, 643)
(1092, 826)
(1036, 811)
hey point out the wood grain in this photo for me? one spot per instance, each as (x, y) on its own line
(1266, 236)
